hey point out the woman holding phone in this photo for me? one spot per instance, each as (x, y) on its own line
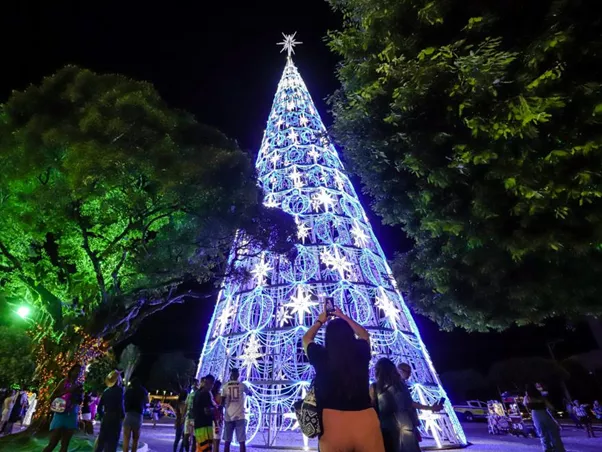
(349, 421)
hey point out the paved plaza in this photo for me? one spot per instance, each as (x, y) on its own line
(161, 440)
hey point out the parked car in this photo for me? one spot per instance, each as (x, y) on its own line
(473, 409)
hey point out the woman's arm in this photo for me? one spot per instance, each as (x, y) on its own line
(359, 330)
(310, 334)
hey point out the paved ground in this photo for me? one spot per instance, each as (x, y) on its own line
(161, 440)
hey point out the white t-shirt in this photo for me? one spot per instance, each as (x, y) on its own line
(234, 400)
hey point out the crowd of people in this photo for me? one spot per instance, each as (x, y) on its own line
(355, 415)
(118, 409)
(16, 406)
(582, 415)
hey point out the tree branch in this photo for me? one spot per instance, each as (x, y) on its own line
(93, 258)
(125, 327)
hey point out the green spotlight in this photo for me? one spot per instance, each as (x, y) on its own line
(23, 312)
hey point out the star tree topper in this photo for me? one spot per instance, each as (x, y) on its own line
(289, 43)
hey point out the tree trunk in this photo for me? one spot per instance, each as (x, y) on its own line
(53, 361)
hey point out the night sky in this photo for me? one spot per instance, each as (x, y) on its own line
(221, 63)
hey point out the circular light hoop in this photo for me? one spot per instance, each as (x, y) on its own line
(306, 265)
(295, 155)
(323, 229)
(351, 208)
(372, 269)
(255, 310)
(355, 302)
(296, 204)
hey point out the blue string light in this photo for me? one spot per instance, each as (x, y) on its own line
(257, 325)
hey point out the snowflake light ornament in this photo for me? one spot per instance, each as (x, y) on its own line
(261, 270)
(360, 238)
(384, 303)
(322, 199)
(283, 316)
(334, 261)
(301, 304)
(302, 231)
(250, 357)
(224, 317)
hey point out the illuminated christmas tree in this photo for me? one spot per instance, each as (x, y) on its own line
(257, 325)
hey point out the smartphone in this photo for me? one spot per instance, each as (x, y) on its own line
(329, 306)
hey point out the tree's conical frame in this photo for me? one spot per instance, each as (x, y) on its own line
(258, 324)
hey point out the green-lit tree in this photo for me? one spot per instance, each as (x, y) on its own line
(98, 371)
(475, 125)
(16, 358)
(110, 201)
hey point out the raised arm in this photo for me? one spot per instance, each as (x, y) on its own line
(310, 334)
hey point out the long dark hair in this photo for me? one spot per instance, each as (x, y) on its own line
(532, 392)
(342, 357)
(386, 374)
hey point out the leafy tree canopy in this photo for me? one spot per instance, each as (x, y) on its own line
(110, 201)
(172, 372)
(97, 372)
(16, 358)
(475, 125)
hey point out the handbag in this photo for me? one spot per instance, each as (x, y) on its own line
(58, 405)
(309, 414)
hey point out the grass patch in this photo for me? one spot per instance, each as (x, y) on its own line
(24, 443)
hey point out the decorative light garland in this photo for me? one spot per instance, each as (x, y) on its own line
(257, 325)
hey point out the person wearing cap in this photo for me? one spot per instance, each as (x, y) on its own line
(113, 412)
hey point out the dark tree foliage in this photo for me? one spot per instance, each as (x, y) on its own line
(16, 358)
(171, 372)
(110, 201)
(476, 126)
(515, 373)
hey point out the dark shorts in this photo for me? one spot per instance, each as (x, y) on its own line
(133, 420)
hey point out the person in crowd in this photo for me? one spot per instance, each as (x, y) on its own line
(136, 398)
(597, 410)
(156, 412)
(18, 411)
(66, 399)
(234, 394)
(405, 371)
(581, 411)
(112, 413)
(87, 414)
(393, 402)
(570, 411)
(218, 415)
(94, 401)
(180, 410)
(349, 421)
(7, 407)
(203, 411)
(189, 420)
(32, 403)
(546, 426)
